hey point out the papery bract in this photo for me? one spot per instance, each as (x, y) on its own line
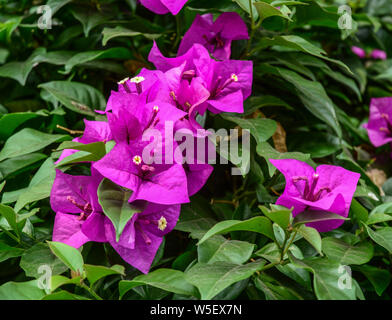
(215, 36)
(378, 54)
(143, 234)
(164, 6)
(328, 188)
(359, 52)
(379, 126)
(75, 201)
(228, 82)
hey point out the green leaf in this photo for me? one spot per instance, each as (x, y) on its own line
(37, 256)
(56, 5)
(8, 27)
(7, 252)
(244, 5)
(78, 97)
(360, 213)
(9, 214)
(9, 122)
(273, 290)
(316, 216)
(326, 275)
(165, 279)
(115, 205)
(89, 19)
(97, 148)
(58, 281)
(110, 33)
(382, 236)
(19, 71)
(39, 187)
(196, 217)
(19, 164)
(320, 144)
(211, 279)
(257, 224)
(83, 57)
(94, 273)
(265, 150)
(381, 213)
(312, 236)
(281, 217)
(379, 278)
(2, 186)
(261, 129)
(300, 44)
(346, 254)
(218, 248)
(71, 257)
(265, 10)
(27, 141)
(21, 291)
(64, 295)
(314, 98)
(77, 157)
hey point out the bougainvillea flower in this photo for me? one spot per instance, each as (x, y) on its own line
(94, 131)
(215, 36)
(125, 163)
(228, 82)
(359, 52)
(164, 6)
(142, 236)
(378, 54)
(379, 126)
(328, 188)
(78, 213)
(140, 83)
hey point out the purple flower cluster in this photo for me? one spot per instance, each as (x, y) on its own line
(177, 91)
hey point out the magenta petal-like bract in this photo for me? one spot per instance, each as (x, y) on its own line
(67, 229)
(164, 6)
(379, 126)
(143, 235)
(328, 188)
(215, 36)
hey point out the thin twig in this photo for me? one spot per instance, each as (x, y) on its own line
(69, 130)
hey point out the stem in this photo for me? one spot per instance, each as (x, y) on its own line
(290, 243)
(91, 291)
(283, 247)
(69, 130)
(10, 234)
(178, 36)
(252, 30)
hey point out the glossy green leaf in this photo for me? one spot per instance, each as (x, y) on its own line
(165, 279)
(27, 141)
(346, 254)
(218, 248)
(257, 224)
(94, 273)
(115, 205)
(38, 256)
(71, 257)
(211, 279)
